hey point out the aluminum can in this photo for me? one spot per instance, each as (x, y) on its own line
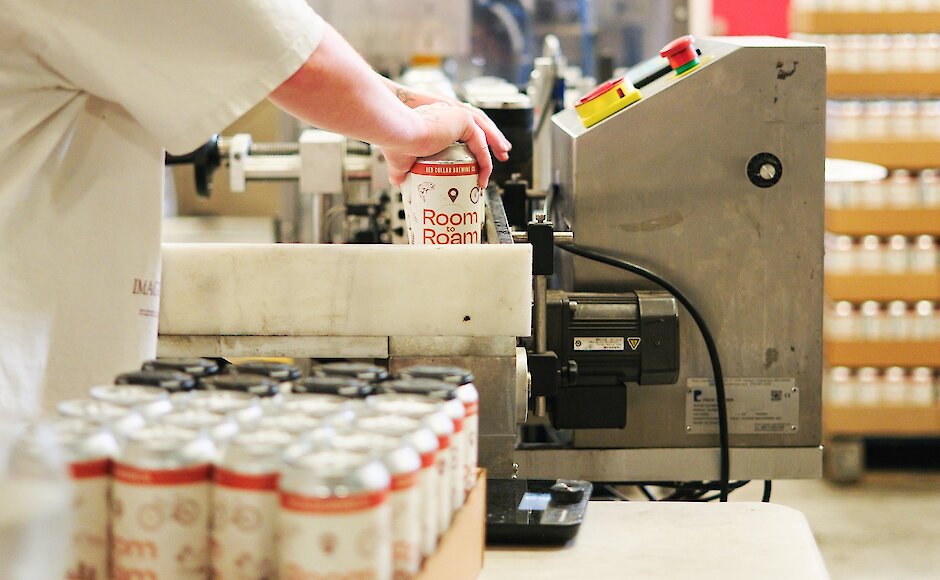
(244, 505)
(351, 370)
(432, 416)
(316, 405)
(404, 466)
(443, 203)
(425, 443)
(172, 381)
(160, 504)
(121, 420)
(254, 384)
(335, 517)
(468, 394)
(148, 401)
(197, 367)
(221, 428)
(243, 407)
(447, 395)
(88, 449)
(342, 386)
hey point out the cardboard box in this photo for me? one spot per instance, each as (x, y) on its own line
(459, 554)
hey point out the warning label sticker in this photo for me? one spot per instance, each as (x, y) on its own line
(598, 343)
(756, 406)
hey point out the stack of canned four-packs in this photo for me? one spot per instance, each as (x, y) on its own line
(257, 473)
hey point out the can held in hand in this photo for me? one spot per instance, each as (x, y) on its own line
(89, 449)
(443, 203)
(404, 465)
(244, 505)
(425, 443)
(160, 504)
(335, 517)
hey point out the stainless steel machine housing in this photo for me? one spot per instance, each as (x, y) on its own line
(664, 184)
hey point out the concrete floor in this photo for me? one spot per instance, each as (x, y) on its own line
(886, 527)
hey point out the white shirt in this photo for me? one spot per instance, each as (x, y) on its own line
(91, 92)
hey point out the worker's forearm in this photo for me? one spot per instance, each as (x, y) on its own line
(336, 90)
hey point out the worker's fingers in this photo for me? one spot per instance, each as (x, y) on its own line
(475, 139)
(398, 165)
(494, 137)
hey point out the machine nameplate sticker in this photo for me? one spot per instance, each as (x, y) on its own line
(598, 343)
(756, 406)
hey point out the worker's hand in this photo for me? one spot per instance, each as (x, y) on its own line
(494, 137)
(443, 125)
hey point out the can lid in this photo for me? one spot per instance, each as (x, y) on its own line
(456, 153)
(362, 371)
(454, 375)
(128, 395)
(336, 385)
(257, 385)
(198, 367)
(354, 472)
(91, 410)
(270, 369)
(420, 386)
(172, 381)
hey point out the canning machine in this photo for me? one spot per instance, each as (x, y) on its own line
(702, 190)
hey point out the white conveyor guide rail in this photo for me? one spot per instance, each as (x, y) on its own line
(337, 300)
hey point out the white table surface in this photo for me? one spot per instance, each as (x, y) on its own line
(672, 540)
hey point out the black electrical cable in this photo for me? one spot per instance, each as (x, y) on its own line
(723, 445)
(768, 486)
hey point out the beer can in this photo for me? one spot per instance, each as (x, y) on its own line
(342, 386)
(148, 401)
(88, 449)
(279, 372)
(197, 367)
(432, 416)
(160, 504)
(353, 370)
(317, 405)
(447, 395)
(253, 384)
(425, 443)
(221, 428)
(335, 517)
(468, 394)
(243, 407)
(172, 381)
(245, 505)
(121, 420)
(404, 465)
(443, 203)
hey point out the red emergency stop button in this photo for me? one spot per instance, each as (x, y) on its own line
(681, 54)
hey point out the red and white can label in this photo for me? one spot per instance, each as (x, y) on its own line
(471, 427)
(406, 525)
(89, 557)
(160, 523)
(244, 525)
(443, 204)
(428, 490)
(458, 461)
(444, 466)
(335, 537)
